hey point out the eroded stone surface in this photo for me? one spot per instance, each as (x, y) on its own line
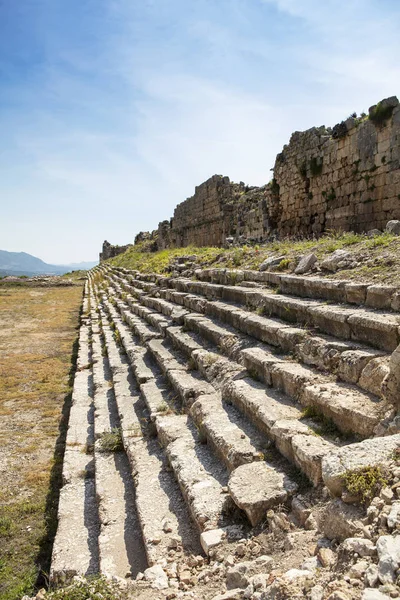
(257, 487)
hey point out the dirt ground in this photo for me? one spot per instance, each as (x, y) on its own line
(38, 333)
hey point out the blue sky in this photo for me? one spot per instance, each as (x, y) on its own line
(111, 111)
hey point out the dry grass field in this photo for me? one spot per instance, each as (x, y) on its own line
(38, 335)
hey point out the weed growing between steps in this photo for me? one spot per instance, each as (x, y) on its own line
(95, 588)
(111, 441)
(38, 327)
(378, 257)
(365, 483)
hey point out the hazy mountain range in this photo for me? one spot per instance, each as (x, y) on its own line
(21, 263)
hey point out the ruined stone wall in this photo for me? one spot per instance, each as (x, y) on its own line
(345, 178)
(199, 221)
(109, 251)
(219, 209)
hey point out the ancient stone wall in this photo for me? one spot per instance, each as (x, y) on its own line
(109, 251)
(345, 178)
(219, 209)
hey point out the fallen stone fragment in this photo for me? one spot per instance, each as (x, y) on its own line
(326, 557)
(157, 577)
(371, 576)
(393, 227)
(340, 521)
(294, 574)
(256, 487)
(230, 595)
(388, 548)
(211, 539)
(306, 263)
(357, 571)
(332, 262)
(239, 575)
(371, 594)
(393, 519)
(362, 546)
(317, 592)
(271, 263)
(338, 595)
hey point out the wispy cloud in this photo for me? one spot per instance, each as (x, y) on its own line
(126, 106)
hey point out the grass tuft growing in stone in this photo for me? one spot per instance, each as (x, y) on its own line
(111, 441)
(365, 482)
(95, 588)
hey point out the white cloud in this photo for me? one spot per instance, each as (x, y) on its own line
(113, 152)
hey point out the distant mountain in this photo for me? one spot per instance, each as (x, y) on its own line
(21, 263)
(82, 266)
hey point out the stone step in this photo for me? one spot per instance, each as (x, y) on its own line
(352, 410)
(121, 548)
(75, 548)
(341, 291)
(234, 441)
(274, 414)
(350, 361)
(165, 521)
(378, 329)
(202, 477)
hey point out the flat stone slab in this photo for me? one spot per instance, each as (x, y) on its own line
(371, 452)
(257, 487)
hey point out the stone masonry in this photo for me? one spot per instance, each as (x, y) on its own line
(109, 251)
(344, 179)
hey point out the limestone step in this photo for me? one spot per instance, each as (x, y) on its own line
(165, 521)
(75, 548)
(274, 414)
(202, 478)
(121, 547)
(233, 450)
(350, 361)
(341, 291)
(348, 407)
(376, 328)
(233, 440)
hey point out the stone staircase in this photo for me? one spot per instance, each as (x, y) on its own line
(229, 393)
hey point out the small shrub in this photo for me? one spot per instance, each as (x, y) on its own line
(365, 482)
(380, 113)
(6, 525)
(111, 441)
(331, 195)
